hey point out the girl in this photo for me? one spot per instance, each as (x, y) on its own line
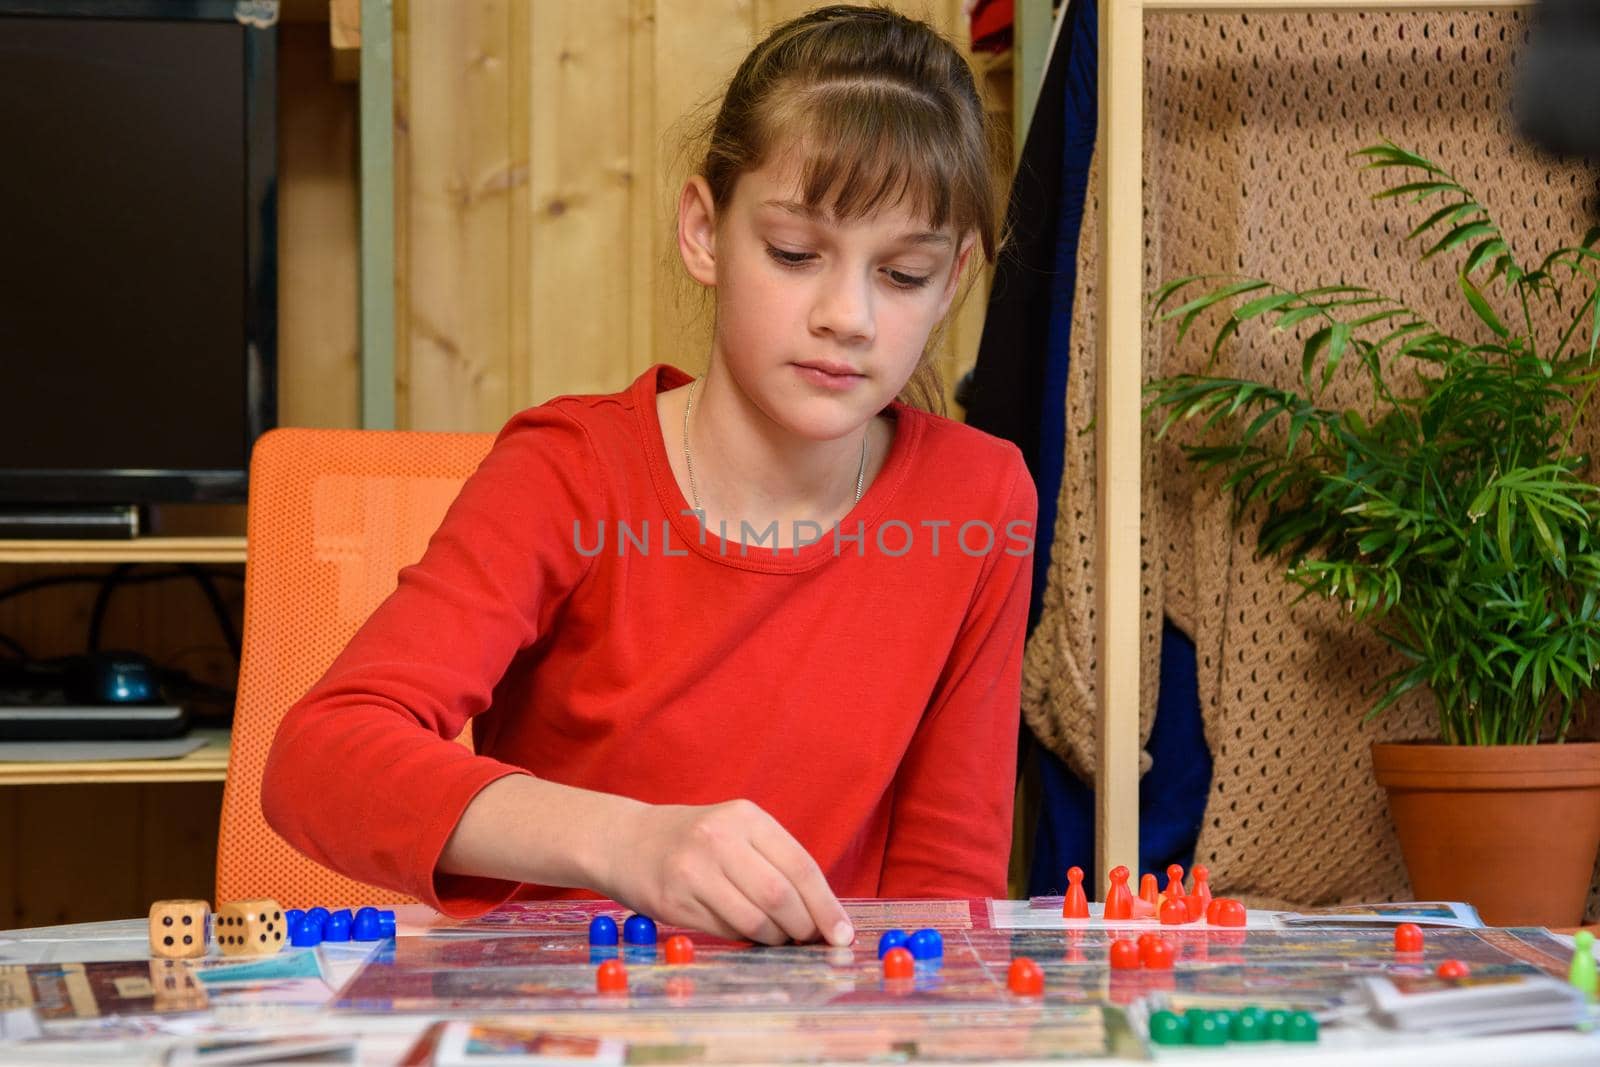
(734, 645)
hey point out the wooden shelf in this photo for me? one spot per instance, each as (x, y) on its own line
(136, 550)
(208, 764)
(1233, 6)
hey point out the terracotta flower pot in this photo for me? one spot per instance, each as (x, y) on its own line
(1511, 829)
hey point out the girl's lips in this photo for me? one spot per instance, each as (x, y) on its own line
(827, 379)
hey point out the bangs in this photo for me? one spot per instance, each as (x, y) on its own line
(861, 146)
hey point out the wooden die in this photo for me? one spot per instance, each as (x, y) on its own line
(250, 928)
(178, 928)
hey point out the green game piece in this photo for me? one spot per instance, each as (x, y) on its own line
(1194, 1015)
(1249, 1024)
(1224, 1018)
(1205, 1030)
(1167, 1028)
(1277, 1025)
(1302, 1026)
(1583, 974)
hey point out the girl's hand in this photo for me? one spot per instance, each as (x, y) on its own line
(728, 869)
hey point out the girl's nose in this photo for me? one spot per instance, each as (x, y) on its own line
(843, 309)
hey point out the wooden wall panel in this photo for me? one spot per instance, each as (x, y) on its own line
(576, 120)
(540, 150)
(319, 381)
(698, 45)
(453, 374)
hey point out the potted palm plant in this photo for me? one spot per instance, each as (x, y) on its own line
(1452, 511)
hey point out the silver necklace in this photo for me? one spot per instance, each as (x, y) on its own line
(688, 461)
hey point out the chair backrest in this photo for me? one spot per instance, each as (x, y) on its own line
(333, 516)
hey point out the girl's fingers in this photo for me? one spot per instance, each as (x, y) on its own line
(770, 889)
(825, 916)
(729, 907)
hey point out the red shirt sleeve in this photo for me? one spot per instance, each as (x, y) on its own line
(364, 776)
(950, 832)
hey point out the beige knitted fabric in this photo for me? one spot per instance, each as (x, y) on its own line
(1250, 120)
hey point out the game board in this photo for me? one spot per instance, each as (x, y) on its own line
(795, 1003)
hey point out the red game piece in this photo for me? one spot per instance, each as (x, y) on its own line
(1225, 911)
(1408, 938)
(1150, 891)
(1194, 907)
(1158, 957)
(611, 977)
(1453, 969)
(1124, 956)
(1202, 885)
(898, 963)
(1075, 905)
(1174, 888)
(1026, 978)
(679, 949)
(1144, 943)
(1173, 913)
(1119, 898)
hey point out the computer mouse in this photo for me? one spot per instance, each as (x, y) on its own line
(114, 678)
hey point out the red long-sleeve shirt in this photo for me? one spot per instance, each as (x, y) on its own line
(864, 692)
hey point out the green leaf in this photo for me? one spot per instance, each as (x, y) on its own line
(1308, 356)
(1461, 235)
(1492, 247)
(1422, 189)
(1263, 304)
(1294, 318)
(1481, 306)
(1338, 338)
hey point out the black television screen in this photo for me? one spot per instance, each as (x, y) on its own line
(136, 251)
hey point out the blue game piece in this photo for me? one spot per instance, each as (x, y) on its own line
(337, 928)
(639, 953)
(890, 939)
(305, 934)
(292, 916)
(386, 924)
(318, 915)
(364, 927)
(639, 930)
(926, 945)
(602, 930)
(598, 954)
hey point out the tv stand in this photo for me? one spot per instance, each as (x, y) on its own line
(78, 522)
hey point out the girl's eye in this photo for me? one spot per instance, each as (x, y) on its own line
(787, 258)
(908, 281)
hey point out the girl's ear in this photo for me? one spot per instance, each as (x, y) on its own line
(697, 231)
(960, 265)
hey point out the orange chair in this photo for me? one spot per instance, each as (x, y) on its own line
(333, 517)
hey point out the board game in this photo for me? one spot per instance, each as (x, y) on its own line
(798, 1003)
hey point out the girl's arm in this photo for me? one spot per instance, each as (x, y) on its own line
(729, 869)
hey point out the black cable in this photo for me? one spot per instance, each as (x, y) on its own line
(218, 608)
(102, 601)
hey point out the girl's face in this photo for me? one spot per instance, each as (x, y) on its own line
(820, 321)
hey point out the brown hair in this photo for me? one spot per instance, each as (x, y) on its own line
(887, 112)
